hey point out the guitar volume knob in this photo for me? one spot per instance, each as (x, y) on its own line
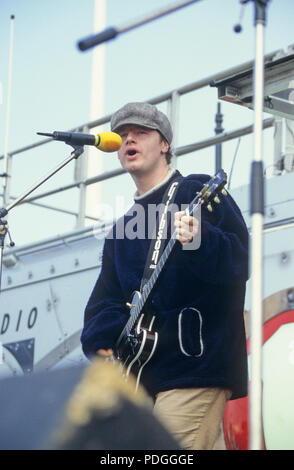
(128, 304)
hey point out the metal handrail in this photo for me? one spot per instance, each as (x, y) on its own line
(225, 137)
(193, 86)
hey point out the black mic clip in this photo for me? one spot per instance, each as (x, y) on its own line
(77, 150)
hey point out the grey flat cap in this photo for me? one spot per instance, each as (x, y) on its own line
(142, 114)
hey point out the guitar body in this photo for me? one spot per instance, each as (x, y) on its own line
(135, 349)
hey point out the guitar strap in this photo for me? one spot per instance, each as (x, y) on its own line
(157, 245)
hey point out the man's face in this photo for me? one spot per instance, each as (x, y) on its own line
(142, 149)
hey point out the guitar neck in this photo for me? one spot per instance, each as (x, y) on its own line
(150, 285)
(148, 288)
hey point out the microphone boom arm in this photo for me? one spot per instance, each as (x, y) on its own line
(111, 32)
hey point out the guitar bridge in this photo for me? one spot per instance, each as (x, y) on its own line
(132, 340)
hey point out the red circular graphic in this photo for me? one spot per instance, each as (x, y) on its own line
(236, 419)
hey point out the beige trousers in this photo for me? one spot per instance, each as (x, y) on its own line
(193, 415)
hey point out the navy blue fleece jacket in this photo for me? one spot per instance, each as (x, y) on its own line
(198, 301)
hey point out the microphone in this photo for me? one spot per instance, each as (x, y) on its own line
(105, 141)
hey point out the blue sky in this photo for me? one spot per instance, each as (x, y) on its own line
(51, 81)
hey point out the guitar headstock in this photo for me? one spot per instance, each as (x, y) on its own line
(212, 188)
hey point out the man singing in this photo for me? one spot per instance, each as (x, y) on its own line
(200, 358)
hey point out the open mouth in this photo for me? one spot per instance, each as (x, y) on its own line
(131, 153)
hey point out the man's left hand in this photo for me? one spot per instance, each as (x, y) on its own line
(186, 227)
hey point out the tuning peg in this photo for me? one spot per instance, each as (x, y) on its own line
(224, 192)
(216, 199)
(209, 207)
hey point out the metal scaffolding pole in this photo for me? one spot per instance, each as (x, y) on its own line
(7, 157)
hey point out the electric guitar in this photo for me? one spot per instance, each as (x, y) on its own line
(137, 341)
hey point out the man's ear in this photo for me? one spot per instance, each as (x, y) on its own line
(164, 146)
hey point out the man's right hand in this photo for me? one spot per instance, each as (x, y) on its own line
(104, 352)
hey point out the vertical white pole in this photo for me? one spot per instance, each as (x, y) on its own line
(289, 144)
(257, 261)
(6, 164)
(95, 158)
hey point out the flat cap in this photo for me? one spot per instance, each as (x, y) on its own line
(145, 115)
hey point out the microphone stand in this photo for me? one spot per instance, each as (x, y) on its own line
(257, 214)
(78, 150)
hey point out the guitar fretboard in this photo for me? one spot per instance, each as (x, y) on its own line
(154, 278)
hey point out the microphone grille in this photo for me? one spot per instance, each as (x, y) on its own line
(109, 142)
